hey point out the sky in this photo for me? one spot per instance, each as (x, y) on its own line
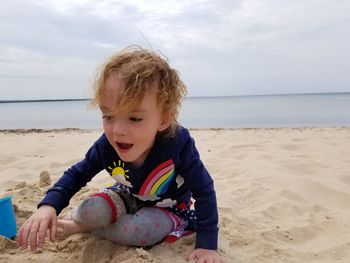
(51, 49)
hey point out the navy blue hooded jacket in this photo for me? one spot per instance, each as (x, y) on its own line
(171, 174)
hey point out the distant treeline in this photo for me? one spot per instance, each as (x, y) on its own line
(196, 97)
(24, 101)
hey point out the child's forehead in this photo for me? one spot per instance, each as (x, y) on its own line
(116, 108)
(128, 99)
(125, 110)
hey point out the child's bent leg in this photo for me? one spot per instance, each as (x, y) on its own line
(147, 227)
(99, 210)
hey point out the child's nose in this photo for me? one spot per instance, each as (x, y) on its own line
(119, 128)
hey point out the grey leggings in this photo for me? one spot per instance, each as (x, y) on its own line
(146, 227)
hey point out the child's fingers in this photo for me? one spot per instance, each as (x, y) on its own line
(42, 232)
(191, 256)
(53, 229)
(19, 239)
(33, 235)
(23, 235)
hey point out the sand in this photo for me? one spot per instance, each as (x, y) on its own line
(283, 195)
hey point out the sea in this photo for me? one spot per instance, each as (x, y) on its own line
(260, 111)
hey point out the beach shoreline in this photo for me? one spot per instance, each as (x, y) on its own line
(283, 194)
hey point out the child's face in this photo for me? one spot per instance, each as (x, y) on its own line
(132, 134)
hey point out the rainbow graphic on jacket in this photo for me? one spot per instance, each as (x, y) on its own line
(158, 180)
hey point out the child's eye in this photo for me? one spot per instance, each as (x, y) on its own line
(135, 119)
(107, 117)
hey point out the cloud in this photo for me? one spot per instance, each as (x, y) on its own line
(179, 181)
(166, 203)
(146, 197)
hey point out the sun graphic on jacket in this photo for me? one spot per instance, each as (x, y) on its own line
(118, 171)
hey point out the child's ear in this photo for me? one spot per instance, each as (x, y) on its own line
(166, 121)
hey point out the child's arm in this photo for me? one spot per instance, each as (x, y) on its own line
(76, 177)
(34, 229)
(58, 196)
(202, 188)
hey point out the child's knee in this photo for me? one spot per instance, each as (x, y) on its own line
(99, 210)
(94, 212)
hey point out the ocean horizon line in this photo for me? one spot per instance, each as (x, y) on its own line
(189, 97)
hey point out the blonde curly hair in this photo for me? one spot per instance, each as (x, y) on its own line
(141, 70)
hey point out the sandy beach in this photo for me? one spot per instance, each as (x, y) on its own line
(283, 195)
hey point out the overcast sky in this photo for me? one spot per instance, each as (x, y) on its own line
(51, 48)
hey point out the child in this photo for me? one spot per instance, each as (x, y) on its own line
(153, 160)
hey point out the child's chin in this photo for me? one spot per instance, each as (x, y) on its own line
(125, 159)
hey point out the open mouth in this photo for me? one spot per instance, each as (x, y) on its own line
(124, 146)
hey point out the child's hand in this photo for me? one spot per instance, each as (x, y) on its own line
(201, 255)
(34, 229)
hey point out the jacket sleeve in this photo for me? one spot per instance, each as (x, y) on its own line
(201, 185)
(75, 177)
